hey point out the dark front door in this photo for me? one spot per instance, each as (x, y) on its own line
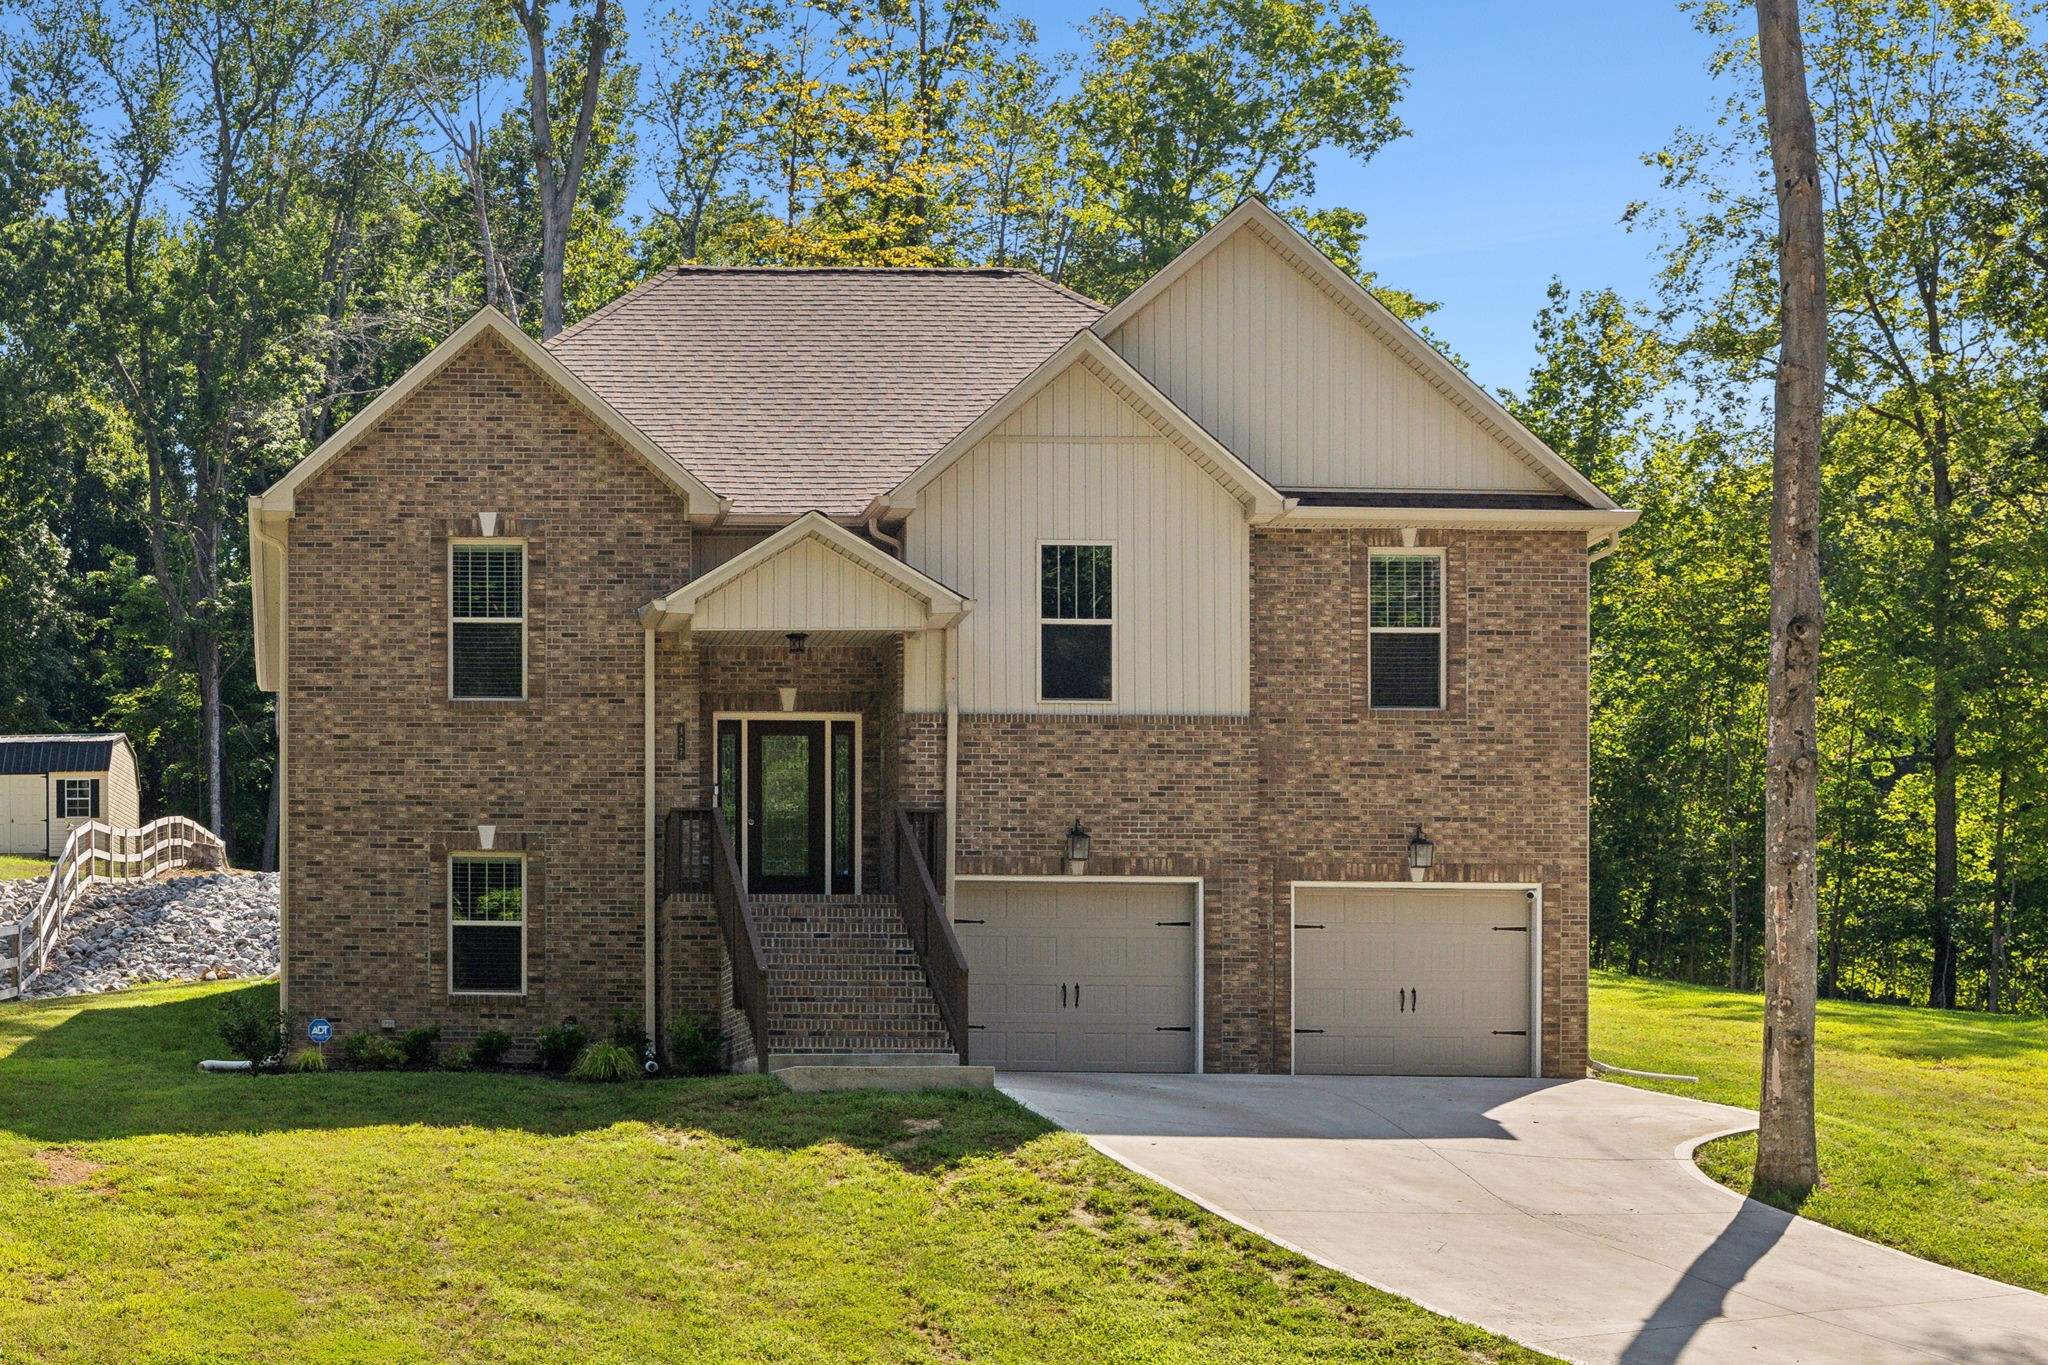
(786, 807)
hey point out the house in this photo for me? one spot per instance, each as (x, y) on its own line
(917, 663)
(52, 784)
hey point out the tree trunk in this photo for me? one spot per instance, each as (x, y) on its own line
(1728, 813)
(1787, 1156)
(1941, 986)
(558, 178)
(1995, 965)
(206, 651)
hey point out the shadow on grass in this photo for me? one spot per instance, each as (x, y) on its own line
(126, 1066)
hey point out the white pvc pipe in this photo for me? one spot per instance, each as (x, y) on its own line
(1607, 1070)
(224, 1066)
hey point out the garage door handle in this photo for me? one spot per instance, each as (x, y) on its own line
(1511, 1033)
(1175, 1028)
(1308, 1030)
(1511, 928)
(970, 921)
(1063, 995)
(1173, 924)
(1310, 926)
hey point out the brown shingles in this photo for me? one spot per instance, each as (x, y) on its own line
(788, 389)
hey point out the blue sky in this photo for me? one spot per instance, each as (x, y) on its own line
(1528, 120)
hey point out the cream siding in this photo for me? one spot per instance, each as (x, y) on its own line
(1078, 463)
(1296, 384)
(121, 798)
(809, 587)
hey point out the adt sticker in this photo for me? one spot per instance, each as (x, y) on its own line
(320, 1030)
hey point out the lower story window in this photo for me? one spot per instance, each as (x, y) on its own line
(78, 798)
(487, 925)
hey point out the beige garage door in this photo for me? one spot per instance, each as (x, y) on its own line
(1079, 976)
(1422, 982)
(22, 827)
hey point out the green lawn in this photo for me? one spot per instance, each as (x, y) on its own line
(12, 867)
(152, 1214)
(1933, 1125)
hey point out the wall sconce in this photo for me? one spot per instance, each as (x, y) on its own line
(799, 640)
(1078, 844)
(1421, 854)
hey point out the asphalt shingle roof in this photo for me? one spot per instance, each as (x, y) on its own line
(792, 389)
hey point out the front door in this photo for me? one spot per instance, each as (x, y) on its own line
(786, 807)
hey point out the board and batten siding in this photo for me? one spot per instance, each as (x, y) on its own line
(812, 587)
(1299, 388)
(1078, 463)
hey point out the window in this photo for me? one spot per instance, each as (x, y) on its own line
(488, 615)
(1075, 623)
(487, 925)
(78, 798)
(1407, 630)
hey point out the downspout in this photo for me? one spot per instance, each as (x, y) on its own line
(951, 645)
(647, 801)
(1613, 539)
(281, 609)
(882, 537)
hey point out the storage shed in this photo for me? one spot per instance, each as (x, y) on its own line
(52, 784)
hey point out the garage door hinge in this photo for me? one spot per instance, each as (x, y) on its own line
(1308, 1030)
(1511, 928)
(1174, 1028)
(1511, 1033)
(1173, 924)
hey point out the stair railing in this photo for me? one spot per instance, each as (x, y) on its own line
(736, 925)
(925, 919)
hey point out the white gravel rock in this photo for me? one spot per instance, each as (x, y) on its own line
(212, 927)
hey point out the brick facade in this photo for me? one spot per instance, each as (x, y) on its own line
(388, 776)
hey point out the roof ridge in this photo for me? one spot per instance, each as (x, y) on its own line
(1072, 295)
(613, 306)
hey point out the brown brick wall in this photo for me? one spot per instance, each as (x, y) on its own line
(387, 773)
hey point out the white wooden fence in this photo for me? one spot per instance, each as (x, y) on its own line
(93, 854)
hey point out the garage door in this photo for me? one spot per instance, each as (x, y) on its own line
(22, 827)
(1422, 982)
(1079, 976)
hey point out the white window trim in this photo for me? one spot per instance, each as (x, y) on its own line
(63, 797)
(1440, 629)
(1038, 643)
(740, 835)
(481, 855)
(525, 603)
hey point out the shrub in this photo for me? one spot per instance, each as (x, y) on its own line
(307, 1059)
(420, 1045)
(455, 1059)
(605, 1061)
(559, 1047)
(696, 1045)
(252, 1029)
(628, 1034)
(490, 1047)
(371, 1052)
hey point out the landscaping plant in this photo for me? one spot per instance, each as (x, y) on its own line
(307, 1059)
(490, 1047)
(557, 1048)
(696, 1045)
(605, 1061)
(371, 1051)
(421, 1045)
(255, 1031)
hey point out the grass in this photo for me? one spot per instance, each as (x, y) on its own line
(13, 868)
(1933, 1125)
(152, 1214)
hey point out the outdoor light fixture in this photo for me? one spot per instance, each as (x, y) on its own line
(1078, 844)
(798, 640)
(1421, 853)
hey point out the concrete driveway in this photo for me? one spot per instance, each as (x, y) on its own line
(1565, 1214)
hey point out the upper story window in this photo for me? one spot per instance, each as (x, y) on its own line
(1076, 623)
(78, 798)
(487, 925)
(487, 612)
(1406, 641)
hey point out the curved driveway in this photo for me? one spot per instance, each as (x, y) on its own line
(1565, 1214)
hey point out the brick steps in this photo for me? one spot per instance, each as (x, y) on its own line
(843, 980)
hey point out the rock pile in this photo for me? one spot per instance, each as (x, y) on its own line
(209, 927)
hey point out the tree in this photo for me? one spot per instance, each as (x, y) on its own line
(558, 172)
(1787, 1152)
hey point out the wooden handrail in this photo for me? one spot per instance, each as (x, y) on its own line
(926, 921)
(736, 925)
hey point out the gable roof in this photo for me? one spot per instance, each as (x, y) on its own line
(1089, 350)
(36, 754)
(936, 604)
(1448, 379)
(791, 389)
(489, 321)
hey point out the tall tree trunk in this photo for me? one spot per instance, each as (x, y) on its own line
(1995, 965)
(206, 657)
(558, 177)
(1941, 987)
(1787, 1154)
(1728, 813)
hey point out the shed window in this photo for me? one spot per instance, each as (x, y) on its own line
(78, 798)
(488, 619)
(487, 925)
(1407, 631)
(1076, 626)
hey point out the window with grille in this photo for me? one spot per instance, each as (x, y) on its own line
(1076, 623)
(488, 623)
(487, 925)
(1406, 641)
(78, 798)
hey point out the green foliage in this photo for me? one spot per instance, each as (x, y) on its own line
(306, 1059)
(419, 1046)
(372, 1051)
(455, 1059)
(490, 1047)
(557, 1047)
(696, 1045)
(628, 1033)
(605, 1061)
(253, 1029)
